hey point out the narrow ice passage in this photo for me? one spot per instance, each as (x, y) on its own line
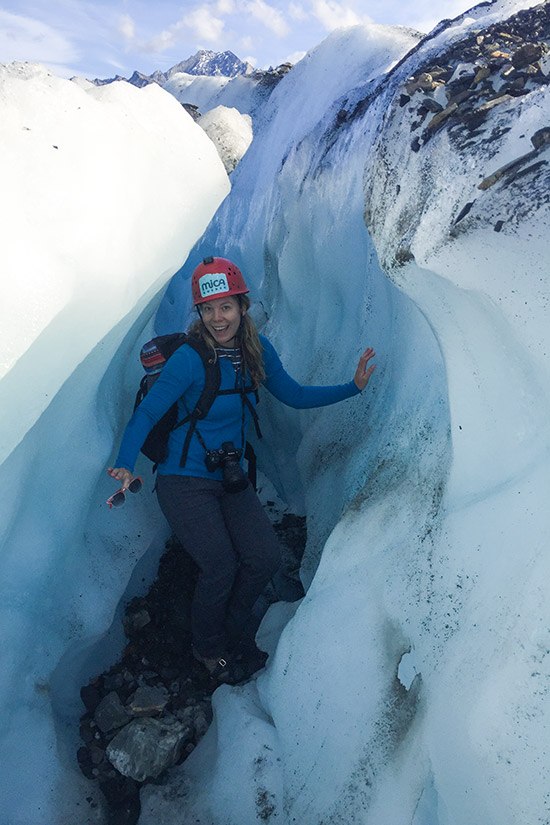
(428, 502)
(427, 499)
(325, 298)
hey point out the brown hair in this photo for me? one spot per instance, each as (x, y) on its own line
(247, 339)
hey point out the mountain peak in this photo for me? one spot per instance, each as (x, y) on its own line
(214, 64)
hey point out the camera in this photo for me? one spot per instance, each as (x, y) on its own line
(228, 457)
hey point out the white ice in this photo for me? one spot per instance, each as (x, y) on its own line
(230, 132)
(206, 93)
(104, 191)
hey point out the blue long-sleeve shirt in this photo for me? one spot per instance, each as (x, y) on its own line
(182, 381)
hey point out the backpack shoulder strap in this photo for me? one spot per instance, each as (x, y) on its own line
(212, 376)
(212, 381)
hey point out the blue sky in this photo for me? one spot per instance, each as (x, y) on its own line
(100, 39)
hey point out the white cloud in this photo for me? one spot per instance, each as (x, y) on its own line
(225, 6)
(297, 12)
(161, 42)
(24, 38)
(201, 21)
(251, 59)
(246, 42)
(204, 24)
(127, 27)
(333, 15)
(269, 16)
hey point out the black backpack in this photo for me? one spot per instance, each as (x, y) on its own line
(154, 355)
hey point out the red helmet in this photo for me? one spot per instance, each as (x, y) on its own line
(216, 278)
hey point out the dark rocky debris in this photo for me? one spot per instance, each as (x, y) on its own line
(487, 69)
(151, 708)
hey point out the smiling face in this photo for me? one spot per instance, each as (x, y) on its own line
(222, 317)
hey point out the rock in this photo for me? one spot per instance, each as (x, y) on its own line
(517, 83)
(110, 713)
(477, 116)
(463, 212)
(541, 137)
(424, 82)
(438, 119)
(481, 74)
(193, 110)
(443, 73)
(154, 660)
(403, 100)
(91, 696)
(148, 701)
(498, 226)
(200, 724)
(135, 620)
(85, 762)
(498, 62)
(513, 37)
(461, 84)
(118, 789)
(113, 681)
(461, 96)
(432, 105)
(526, 54)
(528, 170)
(415, 144)
(186, 715)
(146, 747)
(506, 169)
(86, 733)
(403, 255)
(97, 755)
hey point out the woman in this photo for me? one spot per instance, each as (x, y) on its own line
(226, 533)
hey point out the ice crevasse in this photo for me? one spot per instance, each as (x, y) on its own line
(426, 498)
(427, 547)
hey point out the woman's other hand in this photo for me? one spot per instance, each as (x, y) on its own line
(121, 474)
(363, 372)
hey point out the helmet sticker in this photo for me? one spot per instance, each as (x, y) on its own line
(212, 284)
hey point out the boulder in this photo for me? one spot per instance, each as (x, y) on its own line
(146, 747)
(527, 54)
(110, 713)
(148, 701)
(541, 137)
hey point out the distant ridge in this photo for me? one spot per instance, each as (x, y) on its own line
(204, 63)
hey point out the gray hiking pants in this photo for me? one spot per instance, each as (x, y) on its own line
(232, 541)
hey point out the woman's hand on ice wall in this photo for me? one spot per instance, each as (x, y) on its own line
(363, 373)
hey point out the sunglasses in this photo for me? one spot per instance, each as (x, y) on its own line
(118, 498)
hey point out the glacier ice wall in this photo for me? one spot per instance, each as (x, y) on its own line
(433, 488)
(103, 193)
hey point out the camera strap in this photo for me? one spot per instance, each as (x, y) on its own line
(198, 414)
